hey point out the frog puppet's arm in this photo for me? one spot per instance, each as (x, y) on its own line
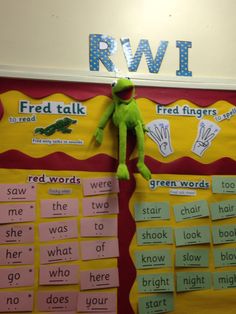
(126, 116)
(102, 123)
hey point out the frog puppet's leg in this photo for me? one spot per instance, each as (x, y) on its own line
(66, 130)
(143, 169)
(122, 170)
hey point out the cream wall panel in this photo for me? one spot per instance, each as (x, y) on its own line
(52, 36)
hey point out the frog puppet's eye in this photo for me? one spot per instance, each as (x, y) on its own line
(113, 84)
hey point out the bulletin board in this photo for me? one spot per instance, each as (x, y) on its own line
(75, 239)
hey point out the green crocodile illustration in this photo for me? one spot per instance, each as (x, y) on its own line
(61, 125)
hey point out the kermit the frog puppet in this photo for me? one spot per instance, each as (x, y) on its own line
(126, 116)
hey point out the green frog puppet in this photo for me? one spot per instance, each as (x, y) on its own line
(126, 116)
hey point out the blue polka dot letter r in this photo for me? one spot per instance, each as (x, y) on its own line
(126, 116)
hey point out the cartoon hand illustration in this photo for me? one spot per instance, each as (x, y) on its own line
(159, 132)
(207, 131)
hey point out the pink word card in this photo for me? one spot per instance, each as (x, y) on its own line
(58, 230)
(13, 255)
(57, 301)
(16, 301)
(99, 249)
(98, 227)
(100, 205)
(99, 279)
(57, 253)
(52, 208)
(17, 233)
(17, 192)
(17, 212)
(58, 275)
(17, 277)
(100, 186)
(97, 302)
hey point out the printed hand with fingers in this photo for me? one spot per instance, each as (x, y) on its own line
(204, 139)
(161, 136)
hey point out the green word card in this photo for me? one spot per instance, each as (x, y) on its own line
(191, 210)
(224, 234)
(158, 282)
(152, 211)
(192, 258)
(148, 236)
(224, 184)
(153, 258)
(190, 281)
(223, 209)
(224, 279)
(160, 303)
(192, 235)
(225, 257)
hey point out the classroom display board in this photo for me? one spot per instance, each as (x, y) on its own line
(75, 239)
